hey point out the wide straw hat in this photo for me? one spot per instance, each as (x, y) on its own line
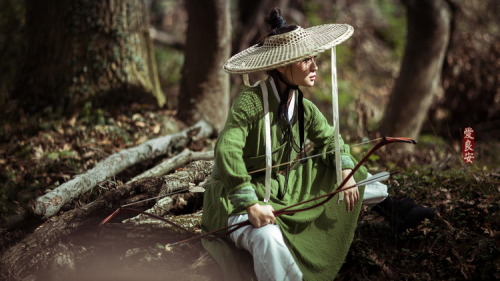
(282, 49)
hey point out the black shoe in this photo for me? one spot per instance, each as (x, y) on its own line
(415, 216)
(403, 213)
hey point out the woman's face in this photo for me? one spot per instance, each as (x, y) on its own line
(302, 73)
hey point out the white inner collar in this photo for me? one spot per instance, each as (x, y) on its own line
(291, 108)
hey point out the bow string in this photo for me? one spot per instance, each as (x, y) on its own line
(286, 210)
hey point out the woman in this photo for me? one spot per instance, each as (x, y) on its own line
(274, 119)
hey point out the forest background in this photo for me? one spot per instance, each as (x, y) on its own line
(81, 81)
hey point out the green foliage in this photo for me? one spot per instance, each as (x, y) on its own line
(169, 63)
(344, 57)
(347, 90)
(311, 10)
(395, 33)
(61, 154)
(91, 116)
(427, 140)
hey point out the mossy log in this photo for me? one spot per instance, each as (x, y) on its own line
(50, 203)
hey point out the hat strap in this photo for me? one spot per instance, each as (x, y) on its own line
(268, 146)
(335, 111)
(246, 80)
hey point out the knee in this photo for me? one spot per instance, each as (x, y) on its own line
(269, 235)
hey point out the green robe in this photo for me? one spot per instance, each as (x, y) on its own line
(319, 239)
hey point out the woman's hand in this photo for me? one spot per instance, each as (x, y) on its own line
(261, 215)
(351, 196)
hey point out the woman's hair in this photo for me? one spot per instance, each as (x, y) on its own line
(278, 26)
(277, 23)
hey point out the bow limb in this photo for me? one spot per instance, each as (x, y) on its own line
(284, 211)
(328, 196)
(213, 234)
(218, 233)
(383, 142)
(231, 228)
(340, 188)
(107, 219)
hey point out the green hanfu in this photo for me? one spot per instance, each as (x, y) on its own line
(318, 239)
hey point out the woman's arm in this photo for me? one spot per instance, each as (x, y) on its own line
(231, 143)
(351, 196)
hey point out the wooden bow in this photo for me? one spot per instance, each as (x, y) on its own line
(286, 210)
(326, 197)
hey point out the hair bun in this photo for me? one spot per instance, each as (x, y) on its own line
(275, 20)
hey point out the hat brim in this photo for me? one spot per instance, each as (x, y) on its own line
(283, 49)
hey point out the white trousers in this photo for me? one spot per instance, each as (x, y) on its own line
(271, 257)
(374, 193)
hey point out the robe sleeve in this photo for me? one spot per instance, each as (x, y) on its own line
(243, 115)
(322, 135)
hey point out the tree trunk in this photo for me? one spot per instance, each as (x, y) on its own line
(204, 92)
(420, 75)
(470, 74)
(86, 50)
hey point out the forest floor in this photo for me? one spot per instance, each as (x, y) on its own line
(460, 243)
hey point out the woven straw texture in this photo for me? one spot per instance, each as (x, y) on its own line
(280, 50)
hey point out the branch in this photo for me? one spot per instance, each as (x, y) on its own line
(50, 203)
(166, 39)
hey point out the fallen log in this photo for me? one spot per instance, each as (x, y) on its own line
(33, 252)
(50, 203)
(175, 162)
(164, 206)
(166, 203)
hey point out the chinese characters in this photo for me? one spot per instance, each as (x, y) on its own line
(468, 145)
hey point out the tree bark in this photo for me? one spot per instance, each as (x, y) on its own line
(204, 92)
(50, 203)
(420, 74)
(80, 51)
(34, 250)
